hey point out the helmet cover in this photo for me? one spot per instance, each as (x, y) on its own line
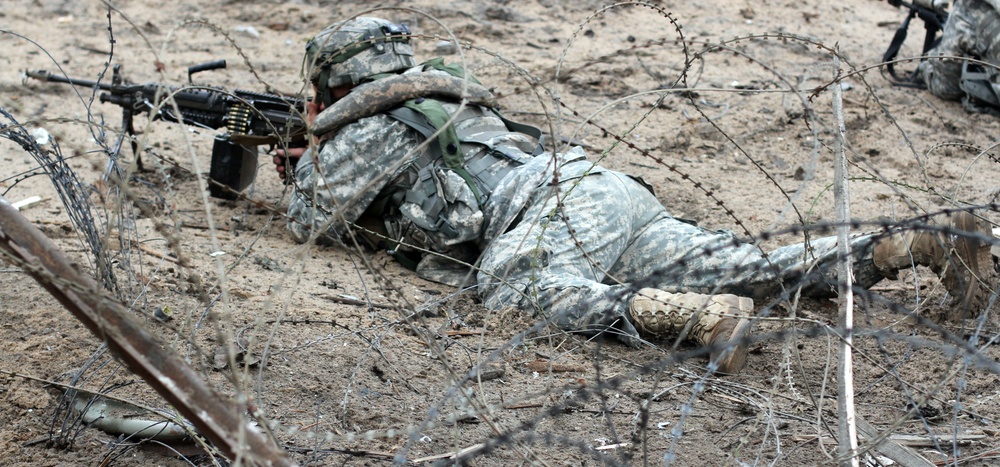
(348, 52)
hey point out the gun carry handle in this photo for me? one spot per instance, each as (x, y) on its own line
(205, 67)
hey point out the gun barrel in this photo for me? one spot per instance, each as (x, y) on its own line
(45, 75)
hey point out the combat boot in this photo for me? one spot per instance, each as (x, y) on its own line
(722, 321)
(961, 258)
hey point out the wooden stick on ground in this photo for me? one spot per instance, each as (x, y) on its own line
(152, 252)
(847, 429)
(142, 352)
(891, 448)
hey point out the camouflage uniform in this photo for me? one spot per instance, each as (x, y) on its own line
(972, 30)
(376, 157)
(559, 235)
(584, 246)
(588, 248)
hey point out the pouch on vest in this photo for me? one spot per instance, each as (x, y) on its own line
(427, 116)
(982, 94)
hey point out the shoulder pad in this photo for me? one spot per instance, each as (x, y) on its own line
(379, 96)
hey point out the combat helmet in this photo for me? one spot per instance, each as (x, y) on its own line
(347, 52)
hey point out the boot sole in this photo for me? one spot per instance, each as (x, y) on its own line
(736, 358)
(970, 291)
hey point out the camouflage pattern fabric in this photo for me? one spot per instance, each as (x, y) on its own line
(335, 185)
(972, 30)
(559, 236)
(377, 156)
(584, 246)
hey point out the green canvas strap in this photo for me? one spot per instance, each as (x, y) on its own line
(449, 146)
(526, 129)
(447, 139)
(457, 71)
(454, 69)
(321, 88)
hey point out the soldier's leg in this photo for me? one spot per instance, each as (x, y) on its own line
(552, 262)
(676, 256)
(556, 265)
(671, 255)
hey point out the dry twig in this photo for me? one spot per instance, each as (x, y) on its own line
(141, 350)
(845, 397)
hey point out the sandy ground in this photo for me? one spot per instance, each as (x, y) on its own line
(356, 343)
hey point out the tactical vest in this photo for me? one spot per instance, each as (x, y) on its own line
(427, 116)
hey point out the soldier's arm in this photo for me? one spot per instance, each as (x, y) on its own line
(351, 168)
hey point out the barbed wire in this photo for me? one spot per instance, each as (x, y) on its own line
(681, 387)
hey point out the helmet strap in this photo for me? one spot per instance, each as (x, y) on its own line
(323, 89)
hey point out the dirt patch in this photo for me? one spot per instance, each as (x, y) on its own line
(356, 360)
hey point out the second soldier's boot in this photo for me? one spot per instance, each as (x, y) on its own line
(722, 321)
(961, 258)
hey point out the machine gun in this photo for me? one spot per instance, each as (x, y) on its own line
(251, 119)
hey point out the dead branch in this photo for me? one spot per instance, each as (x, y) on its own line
(848, 431)
(142, 352)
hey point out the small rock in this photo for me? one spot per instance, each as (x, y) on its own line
(248, 31)
(800, 173)
(500, 13)
(219, 359)
(40, 135)
(445, 48)
(489, 373)
(268, 263)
